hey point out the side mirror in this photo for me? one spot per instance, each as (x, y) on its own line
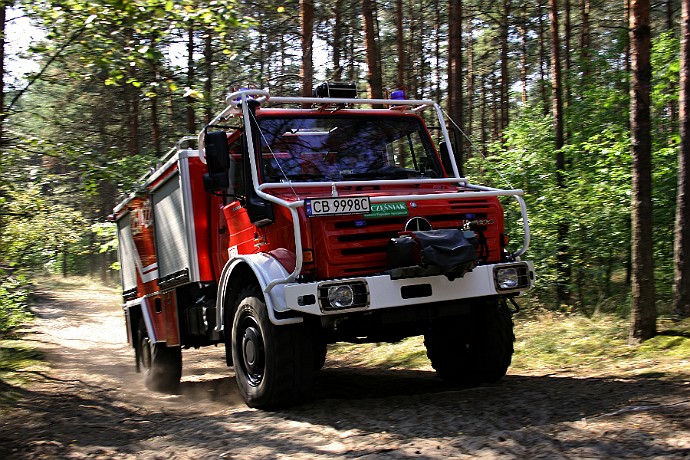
(217, 161)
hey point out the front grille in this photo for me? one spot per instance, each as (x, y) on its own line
(354, 245)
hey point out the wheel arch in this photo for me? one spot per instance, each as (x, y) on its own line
(259, 269)
(136, 310)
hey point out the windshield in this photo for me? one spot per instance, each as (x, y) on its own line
(345, 148)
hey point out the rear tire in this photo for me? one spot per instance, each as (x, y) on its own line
(475, 349)
(273, 364)
(161, 365)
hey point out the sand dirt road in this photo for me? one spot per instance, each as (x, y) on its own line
(89, 403)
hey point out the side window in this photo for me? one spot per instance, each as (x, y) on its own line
(404, 151)
(236, 167)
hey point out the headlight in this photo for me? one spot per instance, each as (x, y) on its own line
(511, 277)
(341, 296)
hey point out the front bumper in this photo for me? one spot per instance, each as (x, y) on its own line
(382, 292)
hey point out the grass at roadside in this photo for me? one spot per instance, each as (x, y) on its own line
(550, 343)
(14, 292)
(19, 360)
(16, 358)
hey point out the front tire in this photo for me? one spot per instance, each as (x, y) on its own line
(474, 349)
(161, 365)
(273, 364)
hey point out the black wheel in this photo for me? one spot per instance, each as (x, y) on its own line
(474, 349)
(319, 342)
(161, 365)
(273, 364)
(320, 349)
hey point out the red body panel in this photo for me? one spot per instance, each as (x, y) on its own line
(201, 202)
(141, 223)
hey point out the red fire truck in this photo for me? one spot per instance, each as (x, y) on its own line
(297, 222)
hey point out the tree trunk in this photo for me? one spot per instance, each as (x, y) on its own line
(337, 39)
(374, 76)
(543, 77)
(484, 117)
(585, 40)
(669, 14)
(400, 42)
(351, 71)
(469, 125)
(672, 103)
(455, 96)
(65, 255)
(306, 14)
(191, 121)
(131, 97)
(437, 49)
(3, 115)
(495, 106)
(681, 248)
(556, 88)
(523, 51)
(155, 127)
(567, 60)
(155, 121)
(505, 75)
(413, 83)
(208, 83)
(643, 308)
(563, 256)
(626, 48)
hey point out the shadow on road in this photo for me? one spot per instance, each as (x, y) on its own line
(405, 404)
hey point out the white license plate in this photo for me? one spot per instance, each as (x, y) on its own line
(337, 206)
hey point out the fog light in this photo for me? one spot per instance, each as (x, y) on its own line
(507, 278)
(341, 296)
(512, 277)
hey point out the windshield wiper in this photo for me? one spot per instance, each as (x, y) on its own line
(304, 177)
(385, 173)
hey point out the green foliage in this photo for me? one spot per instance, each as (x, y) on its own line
(40, 230)
(595, 203)
(43, 232)
(666, 70)
(14, 291)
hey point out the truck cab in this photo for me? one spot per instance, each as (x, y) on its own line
(301, 222)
